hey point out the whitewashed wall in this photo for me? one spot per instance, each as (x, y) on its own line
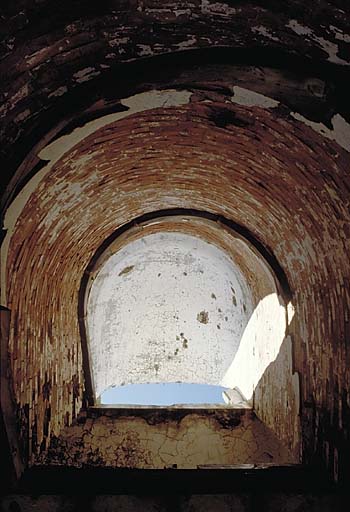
(167, 307)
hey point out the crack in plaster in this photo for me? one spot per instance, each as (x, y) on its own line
(132, 442)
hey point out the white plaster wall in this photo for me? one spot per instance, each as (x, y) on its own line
(167, 307)
(260, 346)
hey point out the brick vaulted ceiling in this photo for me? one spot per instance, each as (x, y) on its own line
(237, 110)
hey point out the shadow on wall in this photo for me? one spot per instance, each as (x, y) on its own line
(263, 370)
(277, 398)
(259, 345)
(185, 438)
(159, 298)
(133, 316)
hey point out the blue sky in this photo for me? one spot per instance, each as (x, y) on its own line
(163, 394)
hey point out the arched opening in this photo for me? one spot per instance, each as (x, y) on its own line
(184, 303)
(237, 111)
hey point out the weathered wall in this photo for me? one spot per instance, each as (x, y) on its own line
(157, 439)
(160, 303)
(258, 165)
(169, 309)
(277, 397)
(51, 52)
(145, 180)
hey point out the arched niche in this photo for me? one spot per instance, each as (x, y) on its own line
(182, 298)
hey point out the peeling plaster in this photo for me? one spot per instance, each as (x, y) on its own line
(218, 8)
(23, 115)
(264, 32)
(182, 12)
(299, 29)
(340, 132)
(338, 34)
(31, 59)
(55, 150)
(137, 103)
(85, 74)
(145, 50)
(330, 48)
(59, 92)
(118, 41)
(188, 43)
(22, 93)
(251, 99)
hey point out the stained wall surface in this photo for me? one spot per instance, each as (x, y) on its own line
(182, 439)
(162, 303)
(161, 297)
(262, 141)
(71, 188)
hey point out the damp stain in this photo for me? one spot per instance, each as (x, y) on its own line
(203, 317)
(234, 301)
(126, 270)
(184, 340)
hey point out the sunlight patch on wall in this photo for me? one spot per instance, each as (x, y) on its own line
(259, 346)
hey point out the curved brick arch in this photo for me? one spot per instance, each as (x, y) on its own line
(254, 269)
(53, 63)
(86, 196)
(259, 165)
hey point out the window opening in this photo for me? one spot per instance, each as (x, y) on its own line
(168, 307)
(176, 304)
(164, 393)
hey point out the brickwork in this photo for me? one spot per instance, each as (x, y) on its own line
(55, 62)
(260, 167)
(179, 158)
